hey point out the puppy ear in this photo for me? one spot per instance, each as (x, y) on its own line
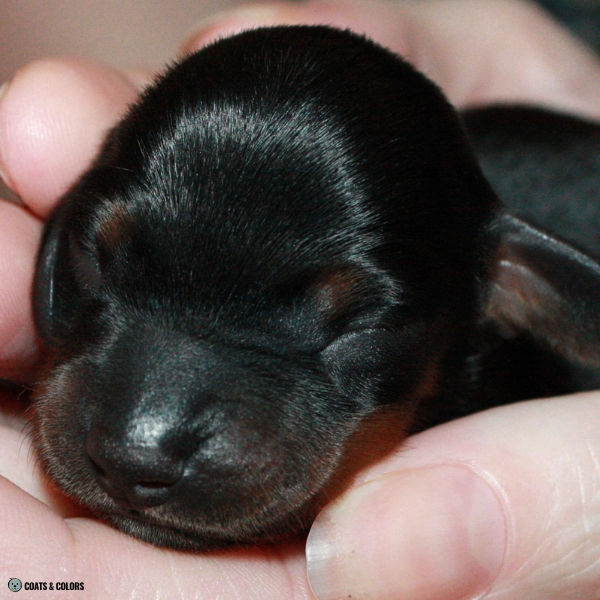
(46, 306)
(547, 289)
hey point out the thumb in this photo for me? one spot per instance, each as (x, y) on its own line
(433, 532)
(503, 503)
(53, 117)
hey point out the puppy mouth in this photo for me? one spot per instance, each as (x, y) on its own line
(149, 530)
(176, 533)
(208, 524)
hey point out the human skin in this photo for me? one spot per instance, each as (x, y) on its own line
(504, 503)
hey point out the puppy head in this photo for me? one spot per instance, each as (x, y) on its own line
(280, 241)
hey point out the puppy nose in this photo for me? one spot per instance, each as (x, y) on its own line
(138, 476)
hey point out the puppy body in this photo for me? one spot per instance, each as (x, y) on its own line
(284, 247)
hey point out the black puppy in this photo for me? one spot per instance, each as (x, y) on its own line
(284, 252)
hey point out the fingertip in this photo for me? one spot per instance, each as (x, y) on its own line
(53, 116)
(382, 21)
(421, 534)
(20, 237)
(227, 23)
(140, 77)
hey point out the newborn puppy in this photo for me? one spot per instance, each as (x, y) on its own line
(285, 250)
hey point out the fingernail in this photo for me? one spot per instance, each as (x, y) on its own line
(422, 534)
(3, 176)
(229, 22)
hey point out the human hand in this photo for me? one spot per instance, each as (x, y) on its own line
(51, 121)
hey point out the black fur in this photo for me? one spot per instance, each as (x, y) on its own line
(285, 252)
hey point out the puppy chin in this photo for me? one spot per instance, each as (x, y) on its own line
(185, 534)
(154, 533)
(161, 535)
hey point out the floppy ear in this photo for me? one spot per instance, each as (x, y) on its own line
(49, 312)
(547, 289)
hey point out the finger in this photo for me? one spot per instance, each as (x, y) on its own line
(382, 21)
(19, 463)
(504, 501)
(20, 233)
(44, 547)
(53, 116)
(478, 50)
(483, 51)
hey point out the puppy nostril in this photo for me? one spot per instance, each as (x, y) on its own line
(154, 485)
(98, 470)
(136, 477)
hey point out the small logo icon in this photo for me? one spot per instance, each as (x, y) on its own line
(14, 584)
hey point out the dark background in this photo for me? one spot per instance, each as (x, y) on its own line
(582, 16)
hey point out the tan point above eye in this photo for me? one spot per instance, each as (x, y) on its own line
(115, 228)
(336, 292)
